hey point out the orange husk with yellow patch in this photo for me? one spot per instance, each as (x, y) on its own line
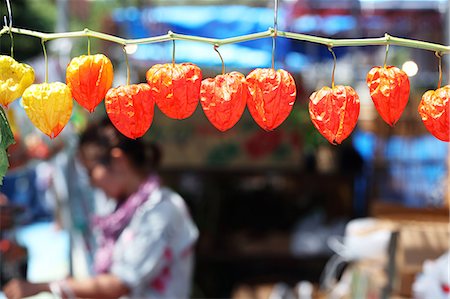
(89, 77)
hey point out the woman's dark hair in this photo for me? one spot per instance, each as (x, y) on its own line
(144, 155)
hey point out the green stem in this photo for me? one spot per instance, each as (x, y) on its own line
(273, 52)
(275, 31)
(45, 60)
(12, 44)
(89, 45)
(440, 69)
(244, 38)
(334, 66)
(173, 52)
(128, 65)
(386, 40)
(8, 7)
(221, 59)
(386, 55)
(172, 35)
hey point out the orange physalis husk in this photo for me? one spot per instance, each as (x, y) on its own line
(334, 112)
(389, 89)
(49, 106)
(130, 109)
(224, 98)
(434, 108)
(89, 77)
(272, 96)
(15, 77)
(175, 88)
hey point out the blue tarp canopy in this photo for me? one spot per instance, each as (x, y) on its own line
(209, 21)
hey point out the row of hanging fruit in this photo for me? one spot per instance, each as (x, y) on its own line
(177, 89)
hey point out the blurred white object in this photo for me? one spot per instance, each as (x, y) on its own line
(410, 68)
(434, 281)
(304, 290)
(365, 238)
(310, 235)
(281, 291)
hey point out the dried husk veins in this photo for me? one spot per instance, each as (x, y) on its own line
(15, 77)
(130, 108)
(224, 98)
(175, 88)
(334, 112)
(49, 106)
(434, 111)
(389, 89)
(272, 96)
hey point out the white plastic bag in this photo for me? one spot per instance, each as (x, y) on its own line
(434, 280)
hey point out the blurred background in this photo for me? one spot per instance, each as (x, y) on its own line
(266, 203)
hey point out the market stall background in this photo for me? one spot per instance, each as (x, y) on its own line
(250, 191)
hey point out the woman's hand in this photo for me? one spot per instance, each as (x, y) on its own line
(101, 286)
(17, 289)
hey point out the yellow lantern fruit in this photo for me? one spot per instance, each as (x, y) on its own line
(49, 106)
(15, 77)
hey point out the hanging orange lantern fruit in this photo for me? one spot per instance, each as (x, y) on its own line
(175, 88)
(89, 77)
(49, 106)
(389, 89)
(223, 99)
(434, 108)
(334, 112)
(130, 108)
(15, 77)
(272, 96)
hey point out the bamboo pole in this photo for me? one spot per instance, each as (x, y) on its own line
(387, 39)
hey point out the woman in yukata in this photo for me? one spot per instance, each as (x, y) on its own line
(145, 246)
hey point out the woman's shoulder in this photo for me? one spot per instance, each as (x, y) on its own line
(163, 200)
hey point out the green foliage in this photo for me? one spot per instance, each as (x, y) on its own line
(6, 139)
(39, 15)
(95, 16)
(300, 118)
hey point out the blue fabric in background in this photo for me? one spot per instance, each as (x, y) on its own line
(21, 189)
(414, 168)
(224, 21)
(206, 21)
